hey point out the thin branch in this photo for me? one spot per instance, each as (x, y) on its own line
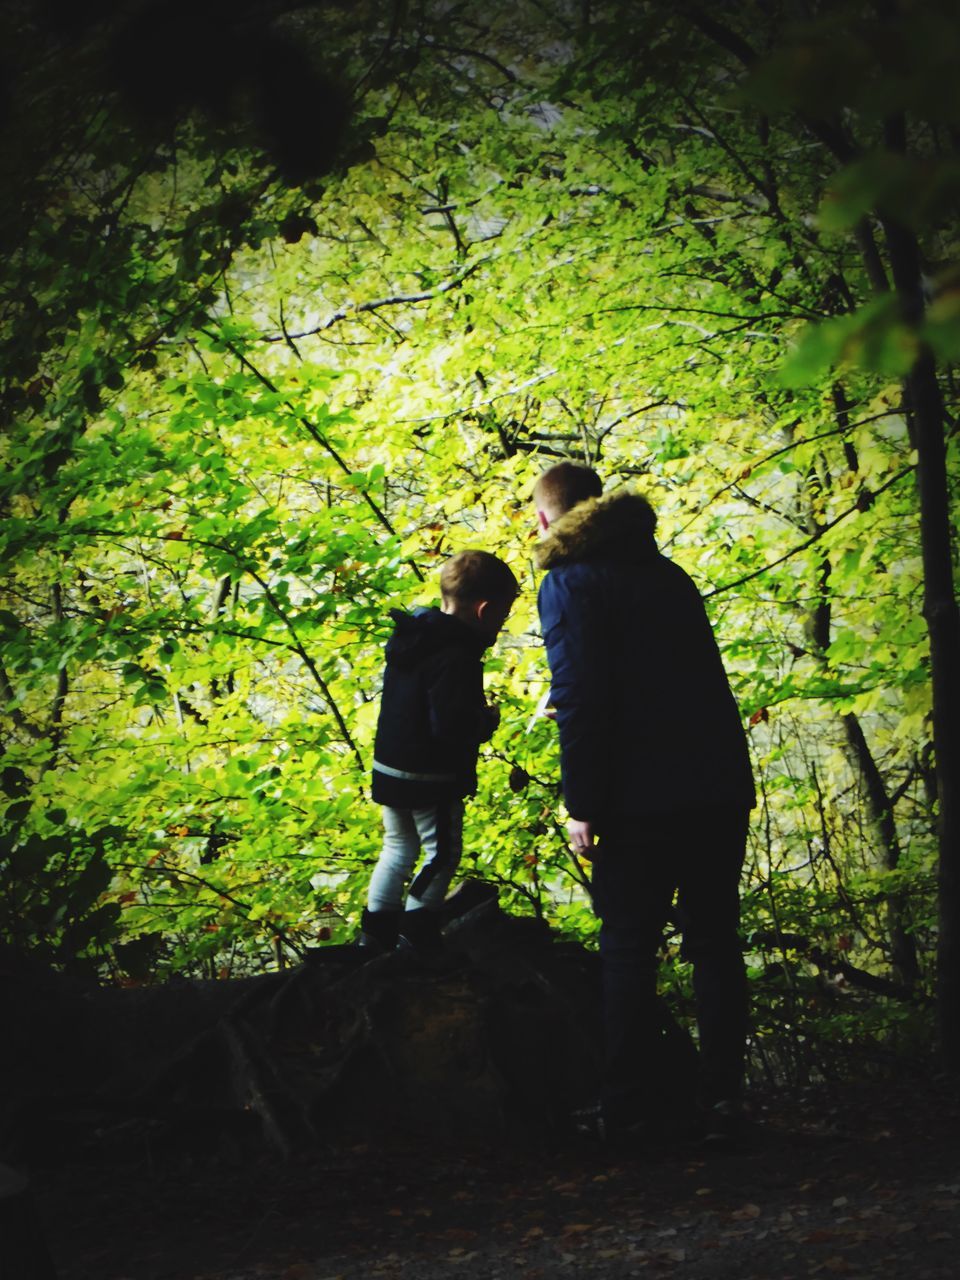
(481, 56)
(288, 339)
(803, 546)
(310, 665)
(63, 686)
(164, 868)
(669, 308)
(396, 21)
(315, 433)
(392, 300)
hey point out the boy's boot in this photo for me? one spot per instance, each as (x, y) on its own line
(378, 930)
(420, 931)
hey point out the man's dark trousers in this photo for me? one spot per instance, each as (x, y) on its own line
(639, 864)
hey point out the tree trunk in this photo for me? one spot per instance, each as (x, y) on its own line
(925, 407)
(903, 950)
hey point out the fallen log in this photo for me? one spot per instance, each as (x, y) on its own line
(498, 1035)
(23, 1252)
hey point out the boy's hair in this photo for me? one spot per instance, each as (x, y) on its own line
(477, 575)
(563, 486)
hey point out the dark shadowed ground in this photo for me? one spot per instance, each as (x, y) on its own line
(862, 1182)
(407, 1116)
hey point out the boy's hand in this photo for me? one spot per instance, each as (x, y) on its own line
(492, 715)
(581, 837)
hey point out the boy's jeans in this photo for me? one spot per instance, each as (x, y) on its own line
(638, 865)
(438, 832)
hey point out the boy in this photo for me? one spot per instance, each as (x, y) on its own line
(433, 717)
(657, 781)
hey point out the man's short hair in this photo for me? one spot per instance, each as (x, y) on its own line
(564, 485)
(477, 575)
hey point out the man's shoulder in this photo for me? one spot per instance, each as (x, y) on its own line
(585, 575)
(556, 582)
(656, 577)
(677, 576)
(571, 571)
(570, 590)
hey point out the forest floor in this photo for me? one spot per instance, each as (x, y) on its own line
(855, 1181)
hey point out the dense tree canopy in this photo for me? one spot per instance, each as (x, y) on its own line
(287, 326)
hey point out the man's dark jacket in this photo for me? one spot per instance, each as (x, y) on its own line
(433, 715)
(646, 718)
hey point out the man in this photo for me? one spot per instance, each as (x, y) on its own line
(657, 782)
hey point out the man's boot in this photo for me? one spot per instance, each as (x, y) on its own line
(378, 931)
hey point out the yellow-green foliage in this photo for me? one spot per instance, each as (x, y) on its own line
(233, 447)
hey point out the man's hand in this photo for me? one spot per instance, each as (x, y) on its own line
(581, 837)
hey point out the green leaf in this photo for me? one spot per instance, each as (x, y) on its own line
(19, 811)
(909, 189)
(873, 337)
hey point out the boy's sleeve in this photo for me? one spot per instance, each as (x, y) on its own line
(573, 633)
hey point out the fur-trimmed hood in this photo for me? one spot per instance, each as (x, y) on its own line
(617, 526)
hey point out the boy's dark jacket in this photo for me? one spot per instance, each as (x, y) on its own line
(433, 715)
(646, 718)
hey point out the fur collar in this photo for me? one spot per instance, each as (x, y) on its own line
(617, 526)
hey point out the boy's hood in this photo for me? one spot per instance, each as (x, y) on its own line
(417, 635)
(617, 526)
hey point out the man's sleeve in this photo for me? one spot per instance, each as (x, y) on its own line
(573, 629)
